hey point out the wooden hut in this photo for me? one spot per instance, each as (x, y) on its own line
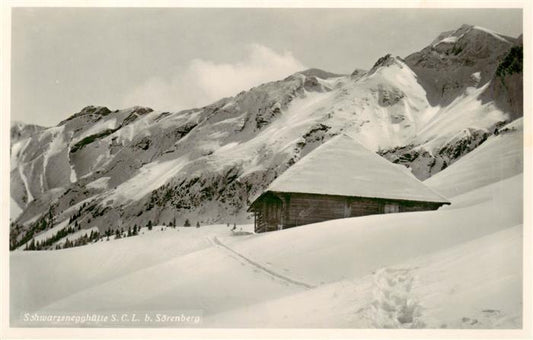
(340, 179)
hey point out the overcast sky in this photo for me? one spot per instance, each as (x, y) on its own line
(64, 59)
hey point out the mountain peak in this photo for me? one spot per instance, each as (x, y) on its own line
(465, 26)
(141, 110)
(89, 110)
(386, 61)
(358, 72)
(469, 33)
(96, 110)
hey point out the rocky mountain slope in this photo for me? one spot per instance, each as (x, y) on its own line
(458, 59)
(471, 76)
(111, 169)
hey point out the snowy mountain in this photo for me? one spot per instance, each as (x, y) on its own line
(473, 81)
(458, 59)
(109, 169)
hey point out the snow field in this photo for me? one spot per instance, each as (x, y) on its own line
(149, 178)
(470, 285)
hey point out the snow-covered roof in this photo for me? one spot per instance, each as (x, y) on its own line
(344, 167)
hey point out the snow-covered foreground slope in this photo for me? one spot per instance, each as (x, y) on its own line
(164, 269)
(477, 284)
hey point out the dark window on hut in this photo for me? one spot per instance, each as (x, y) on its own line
(391, 208)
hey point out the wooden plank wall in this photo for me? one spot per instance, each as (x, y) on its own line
(305, 209)
(298, 209)
(365, 206)
(310, 208)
